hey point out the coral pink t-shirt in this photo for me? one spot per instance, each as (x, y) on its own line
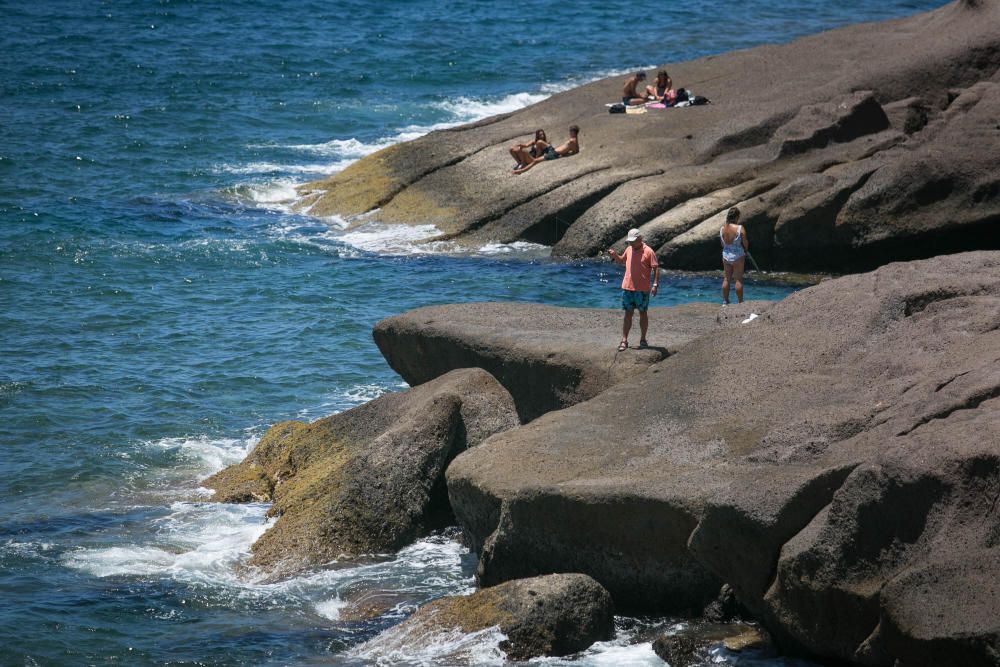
(638, 269)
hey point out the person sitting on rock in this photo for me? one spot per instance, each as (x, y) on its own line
(523, 154)
(640, 265)
(734, 254)
(570, 147)
(663, 89)
(631, 95)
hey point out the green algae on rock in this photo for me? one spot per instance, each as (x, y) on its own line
(368, 480)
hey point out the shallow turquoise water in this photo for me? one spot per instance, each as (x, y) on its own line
(159, 307)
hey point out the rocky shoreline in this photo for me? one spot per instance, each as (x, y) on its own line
(845, 150)
(828, 470)
(834, 463)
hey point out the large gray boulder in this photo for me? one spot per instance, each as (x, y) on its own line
(836, 461)
(555, 615)
(547, 357)
(368, 480)
(886, 132)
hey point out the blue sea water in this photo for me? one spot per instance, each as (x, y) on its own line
(161, 304)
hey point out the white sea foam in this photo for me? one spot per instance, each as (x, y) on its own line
(207, 455)
(344, 149)
(523, 248)
(266, 168)
(350, 398)
(395, 239)
(409, 645)
(330, 609)
(609, 654)
(195, 542)
(468, 109)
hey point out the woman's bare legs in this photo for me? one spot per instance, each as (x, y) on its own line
(727, 274)
(738, 277)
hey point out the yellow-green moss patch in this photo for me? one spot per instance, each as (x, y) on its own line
(363, 186)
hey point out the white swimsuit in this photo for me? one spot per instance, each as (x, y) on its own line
(732, 251)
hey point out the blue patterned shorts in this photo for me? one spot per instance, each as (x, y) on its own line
(632, 300)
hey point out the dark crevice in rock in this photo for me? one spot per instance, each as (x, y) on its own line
(824, 487)
(497, 215)
(755, 135)
(917, 303)
(970, 403)
(551, 228)
(952, 379)
(816, 126)
(947, 241)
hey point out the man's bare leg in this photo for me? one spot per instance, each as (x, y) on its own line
(627, 325)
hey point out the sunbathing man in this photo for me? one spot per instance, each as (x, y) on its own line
(631, 95)
(526, 152)
(570, 147)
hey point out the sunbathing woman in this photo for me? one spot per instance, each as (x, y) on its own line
(523, 154)
(663, 90)
(570, 147)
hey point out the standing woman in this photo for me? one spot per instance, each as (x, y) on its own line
(734, 254)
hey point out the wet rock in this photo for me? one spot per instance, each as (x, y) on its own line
(690, 644)
(368, 480)
(543, 616)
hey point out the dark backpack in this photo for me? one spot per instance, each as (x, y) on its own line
(616, 108)
(682, 95)
(698, 99)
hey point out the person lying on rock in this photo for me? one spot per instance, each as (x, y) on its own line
(734, 254)
(640, 265)
(569, 147)
(631, 94)
(523, 154)
(662, 90)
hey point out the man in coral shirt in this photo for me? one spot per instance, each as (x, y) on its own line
(640, 265)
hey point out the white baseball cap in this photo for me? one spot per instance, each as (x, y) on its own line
(633, 234)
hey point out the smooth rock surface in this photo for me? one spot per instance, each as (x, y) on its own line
(553, 615)
(836, 461)
(368, 480)
(547, 358)
(853, 147)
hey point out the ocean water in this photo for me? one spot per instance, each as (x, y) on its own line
(160, 304)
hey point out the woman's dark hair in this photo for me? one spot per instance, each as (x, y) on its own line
(662, 73)
(732, 216)
(539, 133)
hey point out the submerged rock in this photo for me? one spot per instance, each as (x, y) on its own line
(690, 644)
(836, 461)
(852, 147)
(368, 480)
(553, 615)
